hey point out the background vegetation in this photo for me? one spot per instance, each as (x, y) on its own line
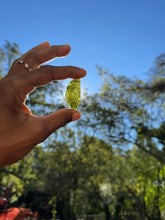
(108, 165)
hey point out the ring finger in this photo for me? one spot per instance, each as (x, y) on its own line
(35, 57)
(15, 68)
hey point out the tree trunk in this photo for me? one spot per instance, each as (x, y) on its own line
(107, 213)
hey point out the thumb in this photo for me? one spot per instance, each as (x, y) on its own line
(55, 120)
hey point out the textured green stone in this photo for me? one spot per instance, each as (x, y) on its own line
(72, 94)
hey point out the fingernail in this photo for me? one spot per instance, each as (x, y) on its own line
(83, 71)
(67, 48)
(46, 43)
(67, 45)
(76, 116)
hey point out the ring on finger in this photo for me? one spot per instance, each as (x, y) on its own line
(26, 65)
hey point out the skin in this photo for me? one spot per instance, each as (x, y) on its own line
(20, 130)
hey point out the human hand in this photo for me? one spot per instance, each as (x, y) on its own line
(20, 130)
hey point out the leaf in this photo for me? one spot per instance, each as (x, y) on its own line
(72, 94)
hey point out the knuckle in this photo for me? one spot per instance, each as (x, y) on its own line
(32, 59)
(30, 56)
(43, 131)
(66, 116)
(46, 67)
(36, 57)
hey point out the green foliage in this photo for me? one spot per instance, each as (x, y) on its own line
(8, 53)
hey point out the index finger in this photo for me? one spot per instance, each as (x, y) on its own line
(46, 74)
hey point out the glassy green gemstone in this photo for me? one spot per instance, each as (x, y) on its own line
(72, 94)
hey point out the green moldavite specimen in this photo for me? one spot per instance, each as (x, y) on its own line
(72, 94)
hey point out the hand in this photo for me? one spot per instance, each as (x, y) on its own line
(20, 131)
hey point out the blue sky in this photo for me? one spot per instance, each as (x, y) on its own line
(121, 35)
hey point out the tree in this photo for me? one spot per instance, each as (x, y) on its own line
(8, 53)
(110, 163)
(129, 111)
(94, 156)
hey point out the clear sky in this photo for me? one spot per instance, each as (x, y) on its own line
(122, 35)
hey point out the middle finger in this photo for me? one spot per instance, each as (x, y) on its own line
(34, 59)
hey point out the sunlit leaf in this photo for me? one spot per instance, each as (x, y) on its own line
(72, 94)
